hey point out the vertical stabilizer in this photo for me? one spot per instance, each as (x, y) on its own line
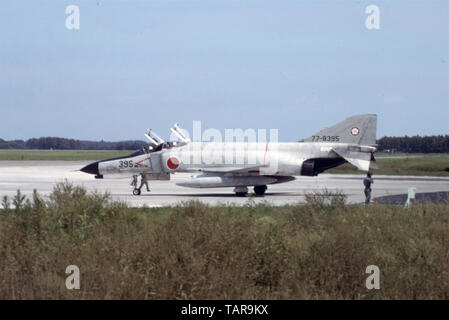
(359, 129)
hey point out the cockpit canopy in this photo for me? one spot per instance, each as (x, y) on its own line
(157, 143)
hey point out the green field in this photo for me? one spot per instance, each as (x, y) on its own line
(395, 164)
(415, 165)
(69, 155)
(319, 250)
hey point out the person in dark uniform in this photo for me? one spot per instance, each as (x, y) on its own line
(134, 182)
(143, 181)
(367, 183)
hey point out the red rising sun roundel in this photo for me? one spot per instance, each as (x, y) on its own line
(173, 163)
(355, 131)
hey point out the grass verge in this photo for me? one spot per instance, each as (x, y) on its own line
(72, 155)
(194, 251)
(433, 165)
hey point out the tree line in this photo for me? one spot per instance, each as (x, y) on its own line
(414, 144)
(55, 143)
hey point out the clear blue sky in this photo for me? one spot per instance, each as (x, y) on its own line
(293, 65)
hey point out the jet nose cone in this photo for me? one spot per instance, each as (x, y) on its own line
(91, 168)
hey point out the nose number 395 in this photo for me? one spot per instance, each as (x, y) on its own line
(125, 164)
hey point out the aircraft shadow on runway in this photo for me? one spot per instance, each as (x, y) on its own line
(394, 178)
(212, 195)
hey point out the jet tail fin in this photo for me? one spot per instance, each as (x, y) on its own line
(359, 129)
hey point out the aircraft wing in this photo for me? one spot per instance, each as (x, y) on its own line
(361, 160)
(233, 170)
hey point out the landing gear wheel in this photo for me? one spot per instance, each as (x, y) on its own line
(136, 192)
(260, 190)
(241, 191)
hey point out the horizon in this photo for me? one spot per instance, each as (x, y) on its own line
(142, 140)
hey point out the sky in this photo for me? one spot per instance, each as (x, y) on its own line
(296, 66)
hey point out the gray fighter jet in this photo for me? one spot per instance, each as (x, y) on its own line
(246, 164)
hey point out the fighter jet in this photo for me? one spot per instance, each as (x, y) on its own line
(246, 164)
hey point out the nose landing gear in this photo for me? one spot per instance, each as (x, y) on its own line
(143, 181)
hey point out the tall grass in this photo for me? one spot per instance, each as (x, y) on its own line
(194, 251)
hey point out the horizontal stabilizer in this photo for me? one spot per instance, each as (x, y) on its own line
(361, 160)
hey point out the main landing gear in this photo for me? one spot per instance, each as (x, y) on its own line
(243, 191)
(143, 181)
(260, 190)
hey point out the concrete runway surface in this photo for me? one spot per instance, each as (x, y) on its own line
(42, 175)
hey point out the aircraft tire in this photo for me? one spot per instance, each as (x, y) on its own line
(260, 190)
(136, 192)
(241, 194)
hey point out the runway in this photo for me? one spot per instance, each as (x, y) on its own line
(42, 175)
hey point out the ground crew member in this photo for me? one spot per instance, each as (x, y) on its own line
(367, 182)
(143, 181)
(134, 182)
